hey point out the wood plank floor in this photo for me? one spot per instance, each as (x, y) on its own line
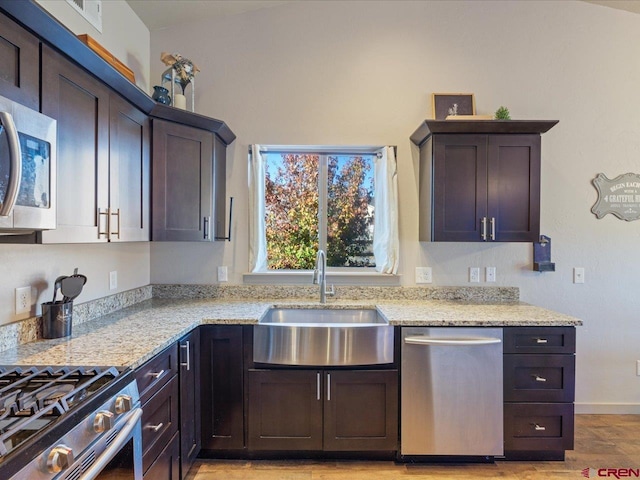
(601, 441)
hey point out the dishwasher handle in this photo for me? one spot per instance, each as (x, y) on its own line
(450, 341)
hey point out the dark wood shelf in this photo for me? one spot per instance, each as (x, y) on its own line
(37, 20)
(429, 127)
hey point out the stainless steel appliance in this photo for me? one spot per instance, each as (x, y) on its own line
(27, 169)
(69, 423)
(451, 389)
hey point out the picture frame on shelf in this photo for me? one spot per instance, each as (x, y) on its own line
(444, 105)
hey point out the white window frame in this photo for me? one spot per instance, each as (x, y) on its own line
(337, 275)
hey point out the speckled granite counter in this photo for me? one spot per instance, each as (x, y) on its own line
(131, 336)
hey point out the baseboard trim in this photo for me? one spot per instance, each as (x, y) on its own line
(608, 408)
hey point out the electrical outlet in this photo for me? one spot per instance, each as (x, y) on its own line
(474, 274)
(490, 274)
(222, 274)
(638, 368)
(424, 275)
(23, 300)
(113, 280)
(578, 275)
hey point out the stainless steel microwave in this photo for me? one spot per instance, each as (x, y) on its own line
(27, 169)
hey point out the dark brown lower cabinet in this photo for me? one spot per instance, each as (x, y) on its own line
(361, 410)
(284, 410)
(167, 465)
(221, 387)
(539, 390)
(189, 375)
(330, 410)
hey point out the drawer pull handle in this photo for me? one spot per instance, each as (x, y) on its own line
(541, 340)
(155, 428)
(539, 428)
(156, 375)
(539, 378)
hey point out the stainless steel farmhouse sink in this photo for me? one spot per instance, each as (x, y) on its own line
(323, 337)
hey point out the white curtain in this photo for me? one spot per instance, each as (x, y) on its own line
(257, 229)
(386, 243)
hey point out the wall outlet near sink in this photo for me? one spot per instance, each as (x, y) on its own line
(424, 275)
(113, 280)
(23, 300)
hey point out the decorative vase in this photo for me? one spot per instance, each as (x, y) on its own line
(161, 95)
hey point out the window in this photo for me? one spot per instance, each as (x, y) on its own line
(319, 200)
(342, 200)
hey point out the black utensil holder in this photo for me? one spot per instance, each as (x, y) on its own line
(56, 319)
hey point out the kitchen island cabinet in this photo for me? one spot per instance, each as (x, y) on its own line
(480, 180)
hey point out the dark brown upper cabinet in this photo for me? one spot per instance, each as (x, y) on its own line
(189, 166)
(480, 180)
(103, 157)
(20, 60)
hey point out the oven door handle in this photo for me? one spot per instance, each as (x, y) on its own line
(118, 442)
(15, 159)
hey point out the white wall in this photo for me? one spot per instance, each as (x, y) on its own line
(123, 34)
(356, 72)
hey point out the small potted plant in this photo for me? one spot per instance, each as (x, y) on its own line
(503, 114)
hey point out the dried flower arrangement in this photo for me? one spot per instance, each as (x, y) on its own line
(185, 68)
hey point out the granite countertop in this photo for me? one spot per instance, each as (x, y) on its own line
(131, 336)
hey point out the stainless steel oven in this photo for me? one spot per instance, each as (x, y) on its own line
(69, 423)
(27, 169)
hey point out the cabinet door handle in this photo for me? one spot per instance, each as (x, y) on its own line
(541, 340)
(539, 428)
(115, 214)
(228, 237)
(187, 364)
(156, 375)
(318, 386)
(155, 428)
(493, 228)
(328, 387)
(205, 227)
(106, 214)
(539, 378)
(483, 225)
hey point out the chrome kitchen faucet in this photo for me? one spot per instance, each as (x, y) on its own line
(320, 276)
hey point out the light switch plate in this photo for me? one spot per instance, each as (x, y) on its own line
(578, 275)
(113, 280)
(424, 275)
(474, 274)
(222, 274)
(490, 274)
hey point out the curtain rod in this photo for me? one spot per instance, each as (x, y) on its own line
(321, 152)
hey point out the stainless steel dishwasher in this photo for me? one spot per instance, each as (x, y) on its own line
(451, 387)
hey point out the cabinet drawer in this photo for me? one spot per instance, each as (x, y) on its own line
(538, 426)
(167, 465)
(156, 372)
(159, 421)
(539, 378)
(540, 340)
